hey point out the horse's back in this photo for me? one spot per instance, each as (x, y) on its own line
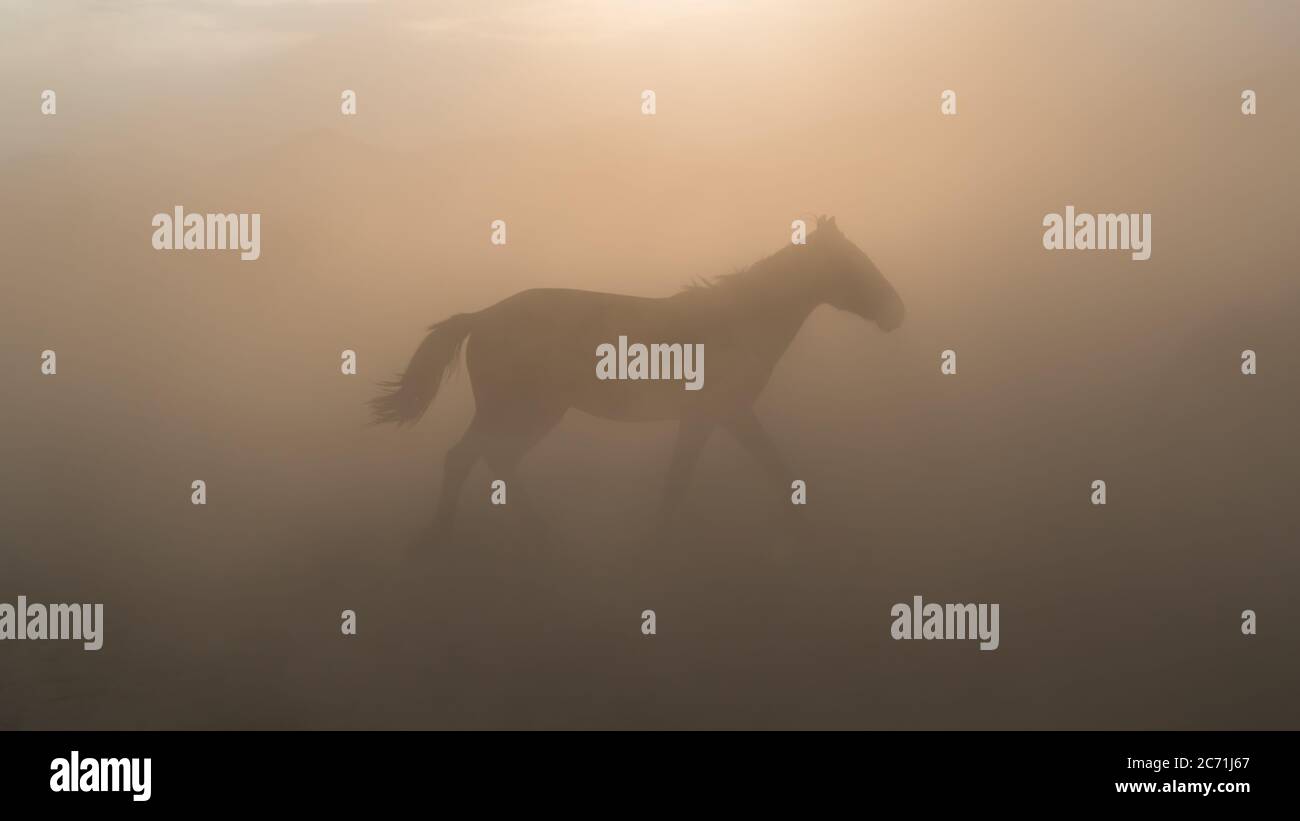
(540, 345)
(566, 315)
(561, 303)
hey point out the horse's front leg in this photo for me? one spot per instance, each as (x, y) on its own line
(692, 433)
(751, 435)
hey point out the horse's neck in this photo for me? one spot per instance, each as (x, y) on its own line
(775, 311)
(788, 320)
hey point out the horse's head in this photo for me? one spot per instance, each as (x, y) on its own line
(849, 280)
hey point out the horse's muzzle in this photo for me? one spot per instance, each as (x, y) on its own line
(892, 317)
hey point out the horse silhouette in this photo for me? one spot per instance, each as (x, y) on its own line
(532, 357)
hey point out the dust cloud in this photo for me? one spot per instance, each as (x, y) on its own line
(176, 366)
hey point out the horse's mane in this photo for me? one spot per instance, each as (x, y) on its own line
(740, 276)
(772, 264)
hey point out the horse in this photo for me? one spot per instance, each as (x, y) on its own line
(531, 357)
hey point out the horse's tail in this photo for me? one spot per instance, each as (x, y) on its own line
(407, 398)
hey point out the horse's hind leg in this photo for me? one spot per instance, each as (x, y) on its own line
(460, 460)
(507, 439)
